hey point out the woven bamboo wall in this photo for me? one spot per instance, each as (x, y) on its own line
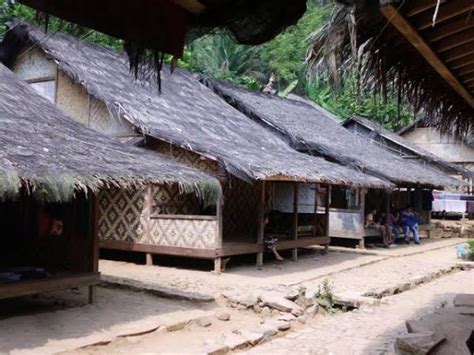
(124, 216)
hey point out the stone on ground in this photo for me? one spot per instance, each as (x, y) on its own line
(236, 341)
(464, 300)
(276, 301)
(416, 326)
(418, 343)
(223, 316)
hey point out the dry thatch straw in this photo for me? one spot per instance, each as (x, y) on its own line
(315, 131)
(359, 36)
(377, 131)
(52, 156)
(185, 114)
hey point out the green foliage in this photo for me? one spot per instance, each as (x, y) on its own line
(350, 100)
(285, 55)
(470, 252)
(324, 296)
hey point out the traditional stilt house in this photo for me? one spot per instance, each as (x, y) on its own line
(314, 131)
(258, 171)
(54, 174)
(447, 148)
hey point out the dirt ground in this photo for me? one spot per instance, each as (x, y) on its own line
(405, 282)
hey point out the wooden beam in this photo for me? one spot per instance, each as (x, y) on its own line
(468, 80)
(462, 63)
(413, 8)
(159, 249)
(55, 283)
(433, 34)
(454, 41)
(458, 53)
(447, 11)
(465, 71)
(397, 20)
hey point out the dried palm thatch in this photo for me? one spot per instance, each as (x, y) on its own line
(384, 135)
(315, 131)
(187, 114)
(359, 36)
(52, 157)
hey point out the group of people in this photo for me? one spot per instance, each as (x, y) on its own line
(390, 225)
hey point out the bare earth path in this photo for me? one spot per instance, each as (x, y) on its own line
(119, 317)
(352, 273)
(371, 330)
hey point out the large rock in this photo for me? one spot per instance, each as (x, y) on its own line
(418, 343)
(236, 300)
(464, 300)
(276, 301)
(236, 341)
(415, 326)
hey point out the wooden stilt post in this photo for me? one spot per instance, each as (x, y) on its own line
(220, 236)
(295, 219)
(149, 259)
(149, 211)
(261, 223)
(91, 294)
(316, 195)
(94, 241)
(362, 218)
(327, 206)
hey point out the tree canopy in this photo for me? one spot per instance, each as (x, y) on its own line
(220, 57)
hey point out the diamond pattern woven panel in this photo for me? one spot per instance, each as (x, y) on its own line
(122, 216)
(198, 234)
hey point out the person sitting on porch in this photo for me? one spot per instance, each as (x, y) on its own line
(392, 225)
(410, 223)
(271, 243)
(371, 222)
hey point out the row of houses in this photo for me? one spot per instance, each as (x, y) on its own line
(189, 172)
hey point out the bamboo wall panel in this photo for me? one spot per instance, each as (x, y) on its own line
(32, 64)
(101, 120)
(198, 234)
(124, 216)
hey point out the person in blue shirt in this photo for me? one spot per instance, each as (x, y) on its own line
(410, 223)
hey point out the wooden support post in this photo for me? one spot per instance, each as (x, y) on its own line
(327, 206)
(94, 241)
(316, 194)
(91, 294)
(261, 223)
(363, 193)
(149, 259)
(220, 237)
(295, 219)
(218, 265)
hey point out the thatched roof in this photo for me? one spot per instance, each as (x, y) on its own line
(377, 131)
(52, 156)
(163, 25)
(187, 114)
(316, 131)
(400, 50)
